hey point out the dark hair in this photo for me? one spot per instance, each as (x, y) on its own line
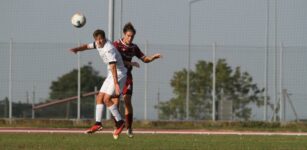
(129, 27)
(99, 32)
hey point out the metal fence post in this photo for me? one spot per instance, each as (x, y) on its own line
(95, 89)
(10, 81)
(79, 86)
(282, 102)
(146, 85)
(266, 63)
(33, 102)
(275, 69)
(213, 82)
(111, 34)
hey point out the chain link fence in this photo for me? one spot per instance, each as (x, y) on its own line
(29, 65)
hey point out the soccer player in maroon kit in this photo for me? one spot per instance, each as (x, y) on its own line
(128, 50)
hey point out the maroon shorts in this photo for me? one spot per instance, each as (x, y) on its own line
(128, 87)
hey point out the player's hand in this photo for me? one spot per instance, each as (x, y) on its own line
(117, 90)
(73, 50)
(135, 64)
(156, 56)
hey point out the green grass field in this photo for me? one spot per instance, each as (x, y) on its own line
(149, 141)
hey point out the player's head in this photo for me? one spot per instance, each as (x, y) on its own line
(100, 37)
(129, 33)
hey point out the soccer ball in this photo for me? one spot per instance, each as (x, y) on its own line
(78, 20)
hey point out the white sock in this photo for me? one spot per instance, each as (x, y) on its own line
(99, 111)
(115, 112)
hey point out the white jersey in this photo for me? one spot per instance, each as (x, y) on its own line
(109, 53)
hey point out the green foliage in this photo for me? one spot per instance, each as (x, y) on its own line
(4, 105)
(20, 110)
(231, 84)
(66, 86)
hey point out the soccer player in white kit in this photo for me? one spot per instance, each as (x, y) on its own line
(113, 84)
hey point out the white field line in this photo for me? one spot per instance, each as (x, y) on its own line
(199, 132)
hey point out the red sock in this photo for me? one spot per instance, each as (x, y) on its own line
(129, 120)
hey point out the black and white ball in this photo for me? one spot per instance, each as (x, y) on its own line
(78, 20)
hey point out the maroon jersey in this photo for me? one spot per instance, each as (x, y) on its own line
(128, 51)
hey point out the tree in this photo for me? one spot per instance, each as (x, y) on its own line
(19, 110)
(231, 83)
(4, 105)
(66, 86)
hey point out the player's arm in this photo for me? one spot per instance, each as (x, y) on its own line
(81, 48)
(132, 64)
(113, 69)
(144, 58)
(148, 59)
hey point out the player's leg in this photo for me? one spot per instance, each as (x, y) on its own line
(98, 115)
(120, 124)
(112, 107)
(127, 91)
(116, 101)
(109, 90)
(128, 114)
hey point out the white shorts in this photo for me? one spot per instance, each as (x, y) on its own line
(108, 84)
